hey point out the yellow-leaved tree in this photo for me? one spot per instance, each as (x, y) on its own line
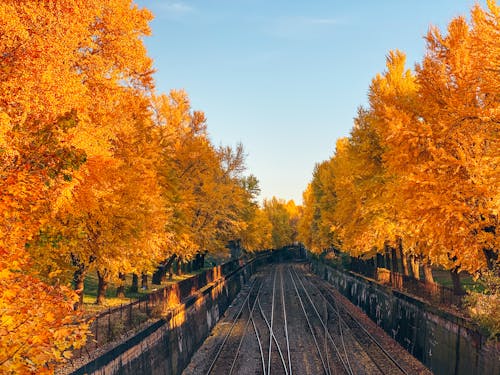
(455, 183)
(203, 185)
(58, 59)
(284, 217)
(396, 119)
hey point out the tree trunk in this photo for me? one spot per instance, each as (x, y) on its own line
(491, 258)
(428, 273)
(415, 267)
(202, 259)
(78, 280)
(144, 280)
(372, 263)
(102, 286)
(135, 283)
(179, 268)
(170, 265)
(120, 290)
(158, 275)
(197, 262)
(457, 286)
(404, 259)
(407, 261)
(394, 257)
(387, 257)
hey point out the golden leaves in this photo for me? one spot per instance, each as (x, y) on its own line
(59, 80)
(422, 161)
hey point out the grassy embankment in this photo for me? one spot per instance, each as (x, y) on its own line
(90, 291)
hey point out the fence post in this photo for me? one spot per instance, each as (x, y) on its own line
(109, 323)
(130, 313)
(97, 330)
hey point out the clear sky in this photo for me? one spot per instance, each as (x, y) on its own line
(285, 77)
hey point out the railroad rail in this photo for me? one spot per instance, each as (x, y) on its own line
(384, 361)
(291, 322)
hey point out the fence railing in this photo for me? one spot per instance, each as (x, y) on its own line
(432, 292)
(436, 293)
(117, 322)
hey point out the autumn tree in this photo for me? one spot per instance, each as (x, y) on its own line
(419, 170)
(396, 119)
(257, 235)
(204, 185)
(58, 61)
(307, 227)
(444, 148)
(315, 226)
(113, 220)
(460, 108)
(283, 216)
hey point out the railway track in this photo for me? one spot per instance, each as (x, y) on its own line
(380, 357)
(331, 356)
(292, 323)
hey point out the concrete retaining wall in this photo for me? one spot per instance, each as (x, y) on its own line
(445, 343)
(166, 346)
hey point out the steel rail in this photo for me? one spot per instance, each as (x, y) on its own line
(341, 331)
(326, 340)
(212, 365)
(260, 346)
(309, 323)
(250, 311)
(368, 334)
(350, 370)
(346, 367)
(286, 324)
(272, 335)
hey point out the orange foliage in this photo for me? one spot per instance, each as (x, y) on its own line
(421, 164)
(61, 64)
(283, 217)
(202, 184)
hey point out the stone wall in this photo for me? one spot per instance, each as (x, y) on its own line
(166, 346)
(444, 342)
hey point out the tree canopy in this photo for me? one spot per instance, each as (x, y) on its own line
(420, 167)
(98, 171)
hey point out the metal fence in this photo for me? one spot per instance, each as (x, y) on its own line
(432, 292)
(117, 322)
(435, 293)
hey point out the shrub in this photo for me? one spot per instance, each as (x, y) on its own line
(484, 305)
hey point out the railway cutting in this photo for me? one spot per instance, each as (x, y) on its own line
(289, 321)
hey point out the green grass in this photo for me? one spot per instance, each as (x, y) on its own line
(90, 291)
(443, 277)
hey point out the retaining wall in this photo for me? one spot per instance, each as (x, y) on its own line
(166, 346)
(445, 343)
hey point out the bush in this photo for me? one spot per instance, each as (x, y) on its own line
(484, 306)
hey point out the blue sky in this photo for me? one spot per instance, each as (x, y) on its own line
(285, 78)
